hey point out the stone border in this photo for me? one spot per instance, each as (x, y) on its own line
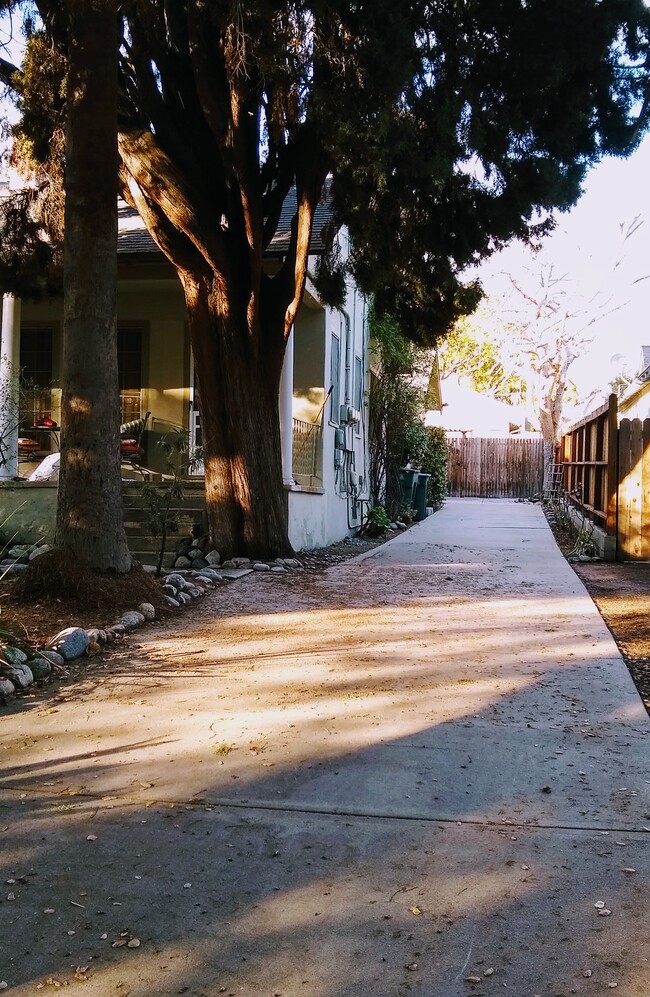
(18, 670)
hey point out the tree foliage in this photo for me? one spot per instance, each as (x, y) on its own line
(438, 132)
(398, 435)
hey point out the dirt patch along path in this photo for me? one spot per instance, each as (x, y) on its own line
(379, 780)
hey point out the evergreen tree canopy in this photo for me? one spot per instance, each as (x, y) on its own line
(446, 128)
(438, 131)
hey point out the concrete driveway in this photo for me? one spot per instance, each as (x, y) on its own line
(423, 772)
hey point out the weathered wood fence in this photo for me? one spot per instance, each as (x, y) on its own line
(511, 467)
(606, 473)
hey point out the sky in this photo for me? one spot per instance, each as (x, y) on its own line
(587, 249)
(584, 249)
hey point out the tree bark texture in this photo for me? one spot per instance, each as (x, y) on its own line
(238, 379)
(90, 517)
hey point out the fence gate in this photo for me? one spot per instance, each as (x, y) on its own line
(496, 468)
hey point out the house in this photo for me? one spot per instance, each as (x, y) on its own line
(635, 403)
(323, 394)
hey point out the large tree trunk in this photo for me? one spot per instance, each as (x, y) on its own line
(238, 378)
(90, 518)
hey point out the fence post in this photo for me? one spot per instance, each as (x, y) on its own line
(611, 496)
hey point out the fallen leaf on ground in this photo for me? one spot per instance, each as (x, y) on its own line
(415, 910)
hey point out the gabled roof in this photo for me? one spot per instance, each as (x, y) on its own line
(644, 373)
(134, 241)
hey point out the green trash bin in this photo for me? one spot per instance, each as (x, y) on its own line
(420, 497)
(408, 477)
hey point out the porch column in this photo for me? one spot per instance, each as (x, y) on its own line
(9, 397)
(286, 413)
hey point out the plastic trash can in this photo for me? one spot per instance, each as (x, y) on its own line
(420, 497)
(408, 477)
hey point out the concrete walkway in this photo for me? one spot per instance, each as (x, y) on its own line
(425, 772)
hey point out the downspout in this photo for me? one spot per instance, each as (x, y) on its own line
(348, 359)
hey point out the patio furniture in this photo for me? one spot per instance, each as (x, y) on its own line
(131, 433)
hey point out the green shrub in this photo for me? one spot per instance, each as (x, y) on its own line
(377, 521)
(435, 463)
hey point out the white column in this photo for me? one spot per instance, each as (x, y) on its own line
(286, 413)
(9, 397)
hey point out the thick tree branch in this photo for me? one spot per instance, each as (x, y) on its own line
(156, 175)
(10, 75)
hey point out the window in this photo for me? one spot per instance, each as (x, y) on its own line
(335, 379)
(36, 374)
(129, 372)
(358, 384)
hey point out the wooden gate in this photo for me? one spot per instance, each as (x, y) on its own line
(496, 468)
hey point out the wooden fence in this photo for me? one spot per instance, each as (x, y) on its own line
(606, 472)
(496, 468)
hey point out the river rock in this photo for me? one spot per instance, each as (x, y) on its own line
(13, 655)
(131, 620)
(41, 668)
(21, 675)
(7, 688)
(174, 603)
(261, 566)
(70, 643)
(176, 580)
(147, 610)
(53, 657)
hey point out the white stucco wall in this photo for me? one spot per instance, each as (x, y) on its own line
(318, 519)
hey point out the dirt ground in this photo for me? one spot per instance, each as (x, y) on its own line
(620, 591)
(31, 624)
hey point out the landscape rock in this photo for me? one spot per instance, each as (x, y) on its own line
(200, 562)
(70, 643)
(229, 564)
(261, 566)
(131, 620)
(279, 569)
(184, 597)
(41, 668)
(7, 688)
(182, 562)
(21, 675)
(240, 562)
(117, 630)
(147, 610)
(176, 580)
(13, 655)
(195, 553)
(98, 635)
(174, 603)
(14, 568)
(53, 657)
(213, 557)
(292, 562)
